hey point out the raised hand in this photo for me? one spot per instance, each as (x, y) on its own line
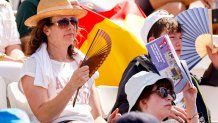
(178, 114)
(208, 3)
(114, 116)
(213, 57)
(80, 76)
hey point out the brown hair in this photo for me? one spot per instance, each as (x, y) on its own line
(147, 91)
(168, 24)
(38, 37)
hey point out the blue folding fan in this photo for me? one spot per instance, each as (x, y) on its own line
(196, 34)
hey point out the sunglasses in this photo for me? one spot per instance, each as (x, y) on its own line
(65, 22)
(163, 93)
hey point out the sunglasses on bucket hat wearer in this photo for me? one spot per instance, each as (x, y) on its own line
(65, 22)
(163, 93)
(136, 84)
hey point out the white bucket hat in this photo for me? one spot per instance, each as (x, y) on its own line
(138, 82)
(151, 20)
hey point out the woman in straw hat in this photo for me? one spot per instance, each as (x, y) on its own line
(51, 76)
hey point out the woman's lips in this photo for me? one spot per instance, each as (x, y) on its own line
(70, 34)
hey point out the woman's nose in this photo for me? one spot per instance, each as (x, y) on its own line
(72, 27)
(169, 97)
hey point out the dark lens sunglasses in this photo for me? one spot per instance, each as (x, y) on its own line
(65, 22)
(163, 92)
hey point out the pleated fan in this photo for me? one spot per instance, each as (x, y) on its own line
(96, 54)
(196, 27)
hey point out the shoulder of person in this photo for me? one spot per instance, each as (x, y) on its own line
(4, 4)
(31, 61)
(79, 55)
(34, 2)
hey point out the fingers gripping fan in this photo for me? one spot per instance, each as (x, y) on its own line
(96, 54)
(196, 34)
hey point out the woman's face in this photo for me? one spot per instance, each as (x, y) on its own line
(62, 31)
(176, 39)
(157, 104)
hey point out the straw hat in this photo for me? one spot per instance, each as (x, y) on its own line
(50, 8)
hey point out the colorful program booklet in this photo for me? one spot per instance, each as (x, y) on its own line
(166, 61)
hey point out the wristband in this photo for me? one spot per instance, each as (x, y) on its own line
(194, 116)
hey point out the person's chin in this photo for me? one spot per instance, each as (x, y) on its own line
(178, 52)
(168, 107)
(69, 39)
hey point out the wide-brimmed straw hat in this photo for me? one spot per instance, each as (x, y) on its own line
(50, 8)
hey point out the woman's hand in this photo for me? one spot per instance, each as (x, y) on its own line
(190, 93)
(80, 77)
(213, 57)
(9, 58)
(208, 3)
(178, 114)
(114, 116)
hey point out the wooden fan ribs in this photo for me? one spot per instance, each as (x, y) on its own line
(96, 54)
(98, 51)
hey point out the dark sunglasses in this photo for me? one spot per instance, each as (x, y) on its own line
(163, 92)
(65, 22)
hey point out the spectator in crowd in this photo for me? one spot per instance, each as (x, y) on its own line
(26, 9)
(11, 55)
(210, 75)
(10, 49)
(53, 73)
(151, 93)
(172, 6)
(157, 24)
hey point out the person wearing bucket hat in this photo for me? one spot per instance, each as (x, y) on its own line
(151, 93)
(52, 74)
(155, 25)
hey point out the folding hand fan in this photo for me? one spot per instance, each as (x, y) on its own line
(96, 54)
(196, 34)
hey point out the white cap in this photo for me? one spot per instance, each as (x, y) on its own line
(138, 82)
(151, 20)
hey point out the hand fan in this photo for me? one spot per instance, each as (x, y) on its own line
(196, 34)
(96, 54)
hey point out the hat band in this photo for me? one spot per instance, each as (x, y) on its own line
(55, 8)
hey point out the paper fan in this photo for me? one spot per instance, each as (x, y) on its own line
(97, 53)
(196, 34)
(201, 42)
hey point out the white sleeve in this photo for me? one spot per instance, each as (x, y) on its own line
(10, 26)
(29, 69)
